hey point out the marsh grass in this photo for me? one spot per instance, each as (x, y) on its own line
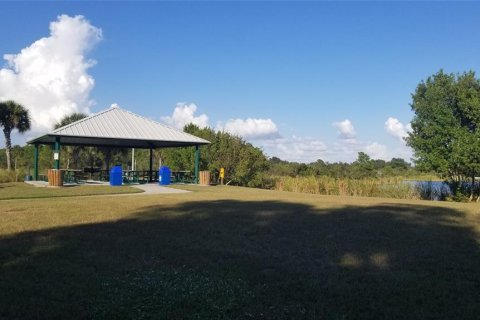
(386, 187)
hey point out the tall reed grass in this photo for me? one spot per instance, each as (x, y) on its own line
(385, 187)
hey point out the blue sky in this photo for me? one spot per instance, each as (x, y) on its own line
(316, 79)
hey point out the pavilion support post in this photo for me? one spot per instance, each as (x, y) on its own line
(56, 164)
(197, 162)
(150, 173)
(35, 163)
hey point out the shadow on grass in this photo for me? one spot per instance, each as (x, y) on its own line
(243, 259)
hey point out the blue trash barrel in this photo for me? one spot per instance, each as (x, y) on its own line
(164, 176)
(116, 176)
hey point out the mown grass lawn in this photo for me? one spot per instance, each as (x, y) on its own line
(237, 253)
(20, 190)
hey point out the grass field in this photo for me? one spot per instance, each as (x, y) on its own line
(20, 190)
(238, 253)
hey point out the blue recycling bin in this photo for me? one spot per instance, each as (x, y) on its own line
(116, 176)
(164, 176)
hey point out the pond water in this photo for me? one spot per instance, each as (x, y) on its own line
(431, 190)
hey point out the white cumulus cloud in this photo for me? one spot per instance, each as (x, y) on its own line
(397, 129)
(377, 151)
(250, 128)
(50, 77)
(345, 129)
(184, 114)
(299, 149)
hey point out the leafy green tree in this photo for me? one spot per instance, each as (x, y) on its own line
(12, 116)
(318, 167)
(445, 136)
(363, 167)
(109, 156)
(399, 163)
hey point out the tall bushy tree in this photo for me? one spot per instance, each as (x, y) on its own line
(12, 116)
(243, 162)
(363, 167)
(72, 152)
(445, 136)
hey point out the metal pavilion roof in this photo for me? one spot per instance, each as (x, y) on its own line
(116, 127)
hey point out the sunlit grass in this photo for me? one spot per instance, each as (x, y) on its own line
(22, 190)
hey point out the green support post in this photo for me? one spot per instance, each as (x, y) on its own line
(56, 164)
(197, 162)
(150, 173)
(35, 163)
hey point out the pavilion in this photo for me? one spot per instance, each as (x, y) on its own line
(117, 128)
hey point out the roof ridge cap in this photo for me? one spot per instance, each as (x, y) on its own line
(159, 123)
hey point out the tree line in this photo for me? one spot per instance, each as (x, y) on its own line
(244, 164)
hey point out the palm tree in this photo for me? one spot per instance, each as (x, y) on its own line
(74, 117)
(12, 116)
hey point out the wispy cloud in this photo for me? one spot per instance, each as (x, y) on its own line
(294, 148)
(50, 76)
(377, 151)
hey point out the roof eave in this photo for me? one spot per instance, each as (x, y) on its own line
(107, 141)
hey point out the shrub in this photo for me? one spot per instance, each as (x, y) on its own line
(11, 176)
